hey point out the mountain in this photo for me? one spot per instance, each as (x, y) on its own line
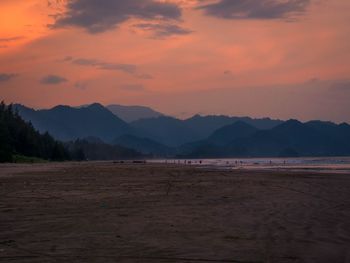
(199, 136)
(67, 123)
(174, 132)
(341, 131)
(144, 145)
(291, 138)
(133, 113)
(214, 143)
(203, 126)
(166, 130)
(231, 132)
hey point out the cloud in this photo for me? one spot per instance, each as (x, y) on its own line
(67, 58)
(53, 80)
(11, 39)
(145, 76)
(128, 68)
(102, 65)
(80, 85)
(256, 9)
(7, 76)
(97, 16)
(163, 30)
(85, 62)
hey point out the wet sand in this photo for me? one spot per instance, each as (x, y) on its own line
(105, 212)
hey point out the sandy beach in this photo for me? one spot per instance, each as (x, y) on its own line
(106, 212)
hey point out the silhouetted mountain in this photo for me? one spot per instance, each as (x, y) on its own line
(291, 138)
(341, 131)
(203, 126)
(166, 130)
(231, 132)
(133, 113)
(220, 137)
(208, 136)
(68, 123)
(144, 145)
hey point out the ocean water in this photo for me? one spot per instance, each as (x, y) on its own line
(322, 164)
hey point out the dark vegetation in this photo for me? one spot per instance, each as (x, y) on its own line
(94, 150)
(19, 138)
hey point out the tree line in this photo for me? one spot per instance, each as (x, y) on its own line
(19, 138)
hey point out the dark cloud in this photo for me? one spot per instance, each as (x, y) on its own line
(128, 68)
(98, 16)
(85, 62)
(256, 9)
(53, 80)
(163, 30)
(7, 76)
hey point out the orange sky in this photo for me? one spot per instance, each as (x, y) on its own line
(180, 57)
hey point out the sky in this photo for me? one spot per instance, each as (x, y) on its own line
(260, 58)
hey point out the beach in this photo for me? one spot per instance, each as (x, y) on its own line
(123, 212)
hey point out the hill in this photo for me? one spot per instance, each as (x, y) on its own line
(144, 145)
(166, 130)
(67, 123)
(231, 132)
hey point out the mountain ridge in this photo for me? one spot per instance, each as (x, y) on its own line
(198, 136)
(133, 113)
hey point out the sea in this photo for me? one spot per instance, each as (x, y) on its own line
(319, 164)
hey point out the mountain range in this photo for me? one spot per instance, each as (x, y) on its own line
(197, 137)
(291, 138)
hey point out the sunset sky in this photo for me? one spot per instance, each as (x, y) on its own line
(259, 58)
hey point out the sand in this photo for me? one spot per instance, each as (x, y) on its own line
(105, 212)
